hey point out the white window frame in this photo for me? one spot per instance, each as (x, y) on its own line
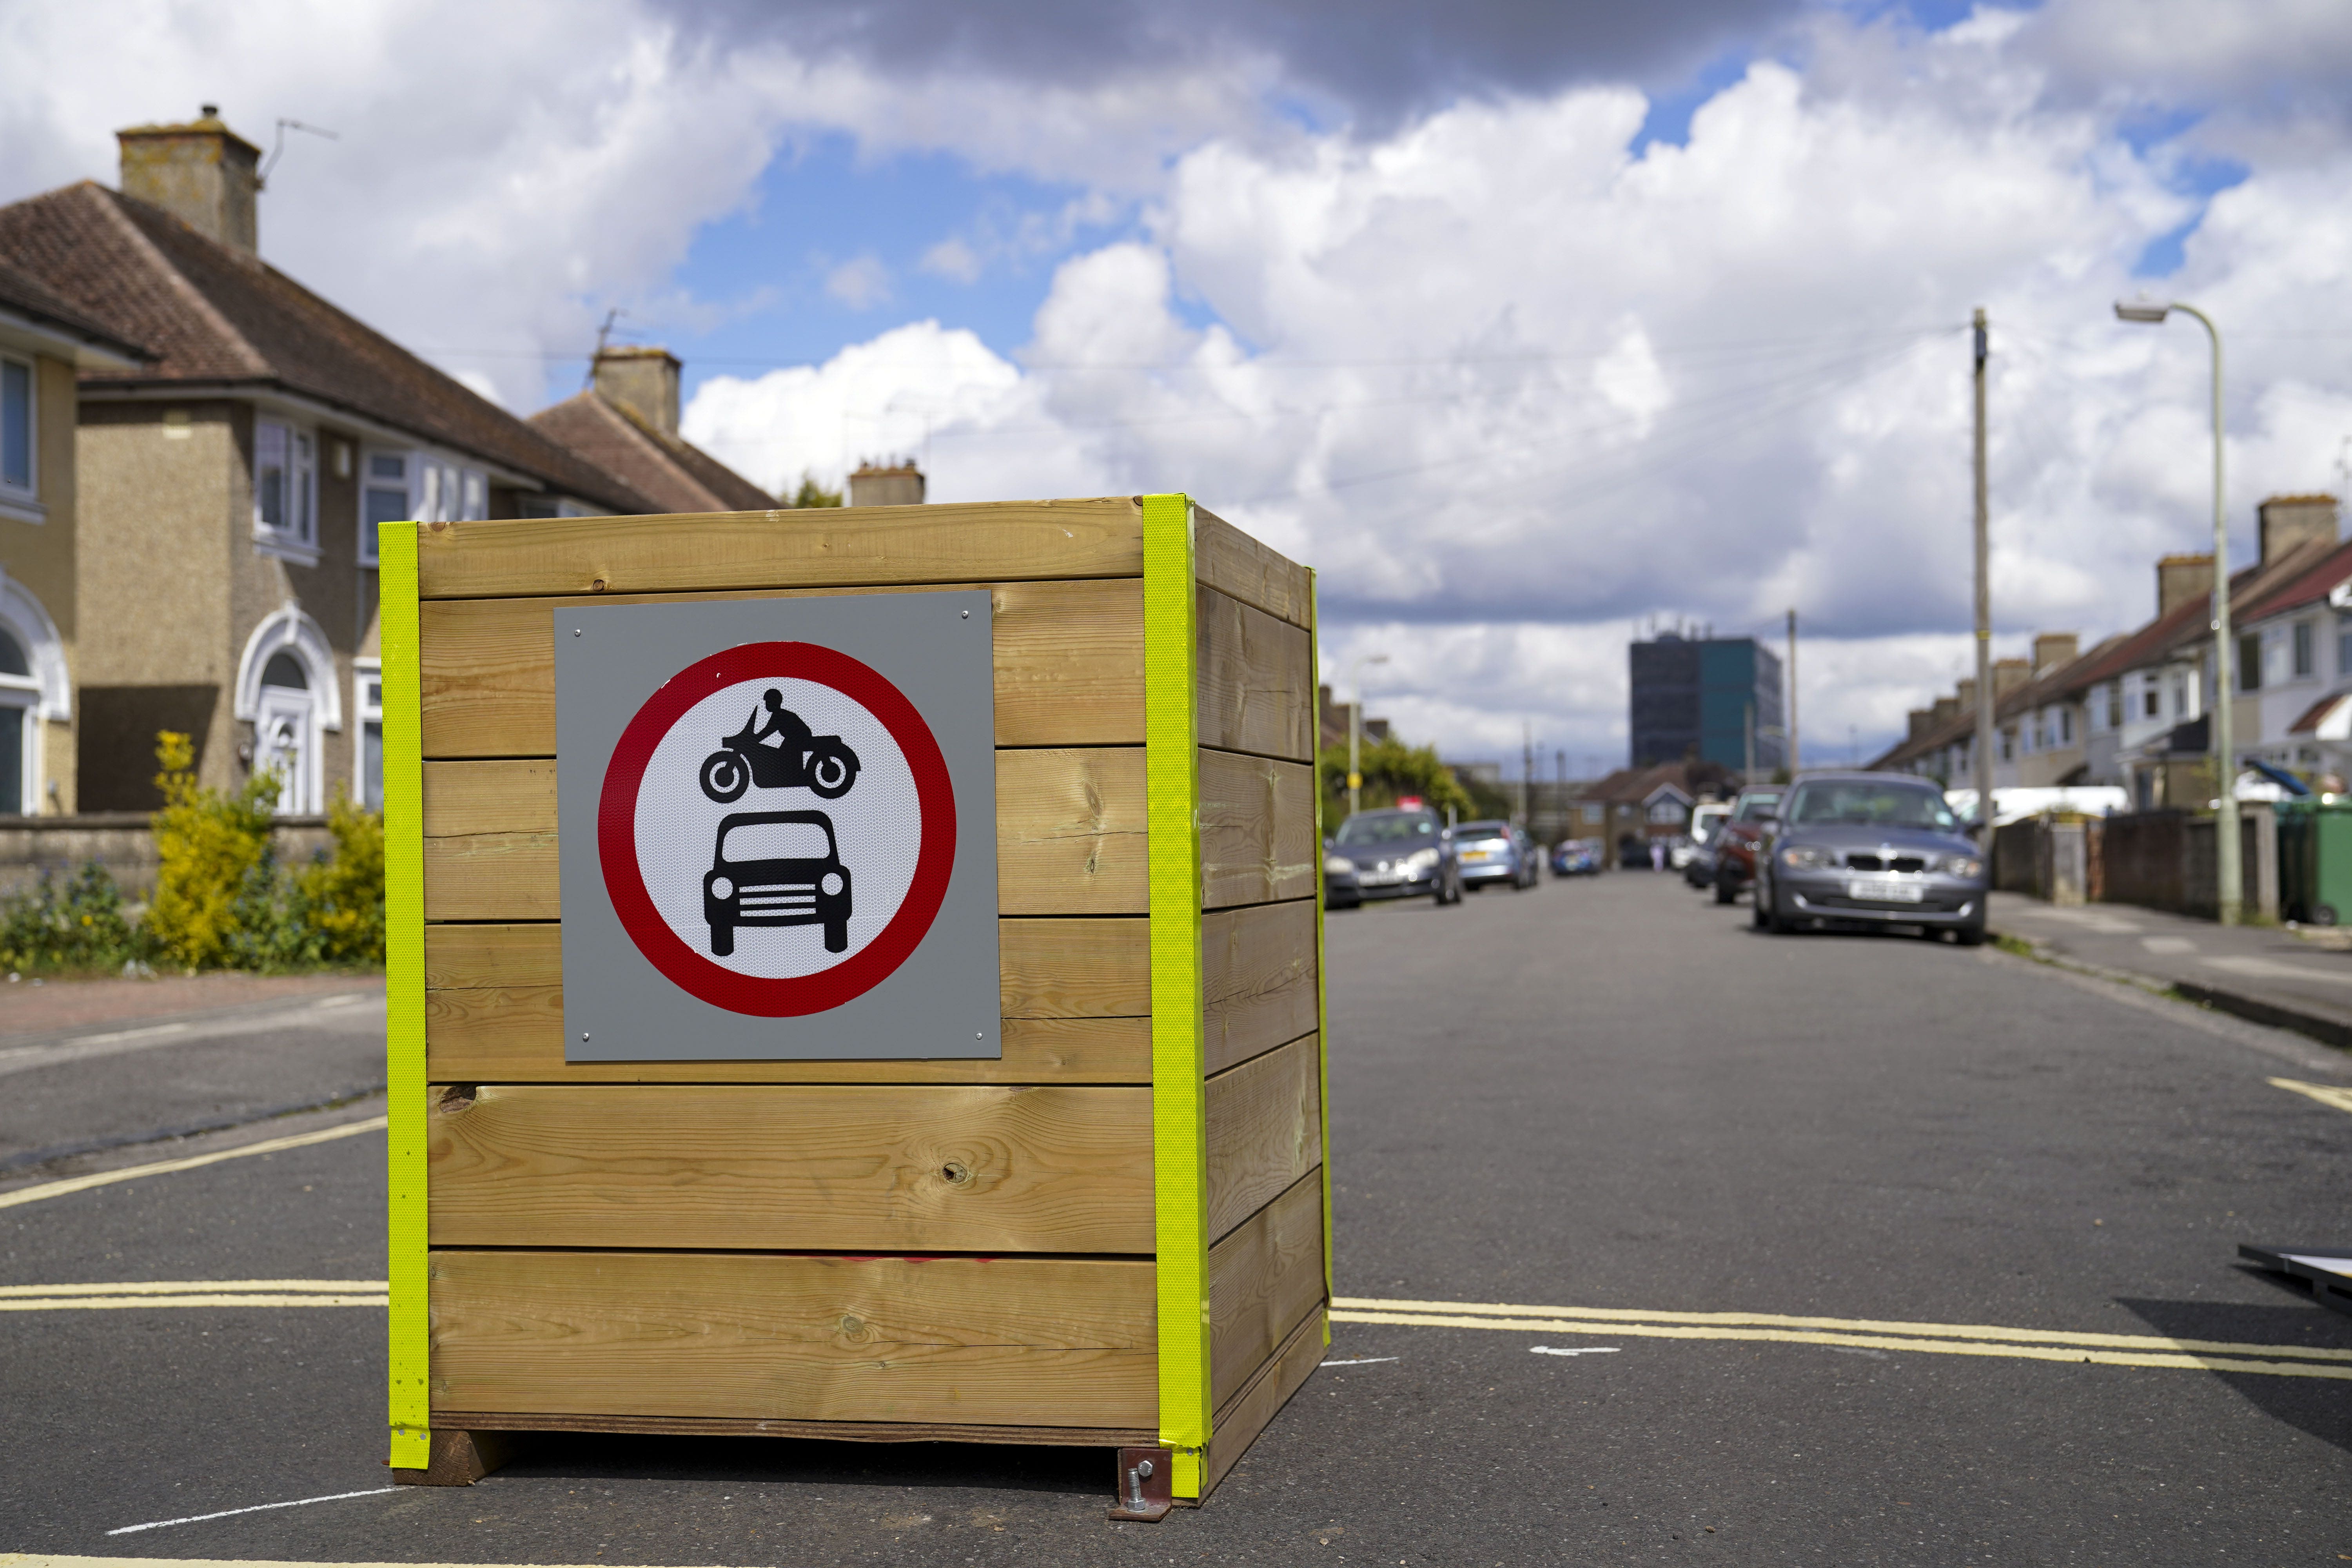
(296, 538)
(2304, 657)
(367, 706)
(369, 482)
(26, 496)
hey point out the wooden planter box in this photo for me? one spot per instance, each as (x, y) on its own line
(1115, 1236)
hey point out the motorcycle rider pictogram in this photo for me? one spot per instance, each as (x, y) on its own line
(778, 751)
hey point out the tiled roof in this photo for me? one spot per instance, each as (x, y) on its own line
(216, 316)
(27, 296)
(2305, 587)
(677, 475)
(2188, 622)
(2316, 714)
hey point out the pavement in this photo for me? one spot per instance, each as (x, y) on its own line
(2272, 975)
(1659, 1238)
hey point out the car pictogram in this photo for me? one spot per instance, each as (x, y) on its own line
(775, 869)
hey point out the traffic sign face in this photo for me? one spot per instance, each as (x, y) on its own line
(778, 828)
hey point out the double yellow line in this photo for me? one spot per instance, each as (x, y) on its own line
(193, 1293)
(1860, 1333)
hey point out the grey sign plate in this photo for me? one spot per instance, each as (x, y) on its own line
(725, 940)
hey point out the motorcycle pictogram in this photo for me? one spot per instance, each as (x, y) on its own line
(778, 753)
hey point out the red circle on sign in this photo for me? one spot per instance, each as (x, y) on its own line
(624, 882)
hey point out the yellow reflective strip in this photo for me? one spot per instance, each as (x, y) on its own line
(192, 1162)
(1322, 1004)
(403, 934)
(1860, 1341)
(181, 1287)
(1179, 1092)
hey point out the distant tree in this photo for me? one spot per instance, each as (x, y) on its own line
(1391, 770)
(811, 493)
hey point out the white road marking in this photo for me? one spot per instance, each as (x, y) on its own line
(2170, 945)
(1362, 1361)
(2326, 1093)
(2273, 969)
(325, 1013)
(186, 1287)
(1583, 1350)
(194, 1161)
(256, 1508)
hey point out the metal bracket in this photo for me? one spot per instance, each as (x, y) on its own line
(1144, 1475)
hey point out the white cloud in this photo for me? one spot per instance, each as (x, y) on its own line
(861, 283)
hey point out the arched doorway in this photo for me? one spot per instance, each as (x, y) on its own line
(20, 698)
(285, 732)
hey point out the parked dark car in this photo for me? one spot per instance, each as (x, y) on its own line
(1340, 890)
(1493, 853)
(1575, 858)
(1706, 825)
(1877, 848)
(1736, 842)
(775, 869)
(1400, 854)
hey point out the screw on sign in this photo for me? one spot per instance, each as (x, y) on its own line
(786, 910)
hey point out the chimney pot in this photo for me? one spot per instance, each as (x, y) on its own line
(202, 174)
(887, 484)
(643, 380)
(2286, 521)
(2052, 650)
(2180, 578)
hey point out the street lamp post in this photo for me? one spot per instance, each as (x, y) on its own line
(1356, 726)
(2225, 858)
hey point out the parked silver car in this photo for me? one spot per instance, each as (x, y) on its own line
(1880, 849)
(1492, 853)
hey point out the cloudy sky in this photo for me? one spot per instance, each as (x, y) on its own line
(1527, 324)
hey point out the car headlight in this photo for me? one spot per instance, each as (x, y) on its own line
(1337, 866)
(1421, 859)
(720, 887)
(1967, 866)
(1803, 857)
(832, 884)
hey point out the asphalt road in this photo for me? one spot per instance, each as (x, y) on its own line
(1599, 1095)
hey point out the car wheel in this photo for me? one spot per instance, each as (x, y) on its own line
(722, 942)
(1970, 936)
(1756, 912)
(836, 936)
(1773, 919)
(1725, 892)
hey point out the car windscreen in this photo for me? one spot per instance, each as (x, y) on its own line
(1865, 805)
(1480, 830)
(1756, 807)
(776, 841)
(1384, 830)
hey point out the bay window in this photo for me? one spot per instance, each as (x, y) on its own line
(286, 490)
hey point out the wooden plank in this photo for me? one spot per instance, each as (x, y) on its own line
(1259, 978)
(1068, 665)
(1257, 680)
(1070, 833)
(515, 1035)
(489, 841)
(960, 1168)
(1012, 540)
(1258, 843)
(995, 1342)
(1066, 968)
(1252, 1410)
(1264, 1131)
(1075, 968)
(1069, 826)
(829, 1431)
(1234, 564)
(1263, 1278)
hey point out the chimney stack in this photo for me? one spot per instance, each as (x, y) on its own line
(2008, 674)
(202, 174)
(643, 380)
(2180, 578)
(1947, 709)
(2289, 520)
(891, 484)
(1963, 698)
(2052, 650)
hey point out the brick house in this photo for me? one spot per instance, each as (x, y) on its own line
(45, 343)
(626, 424)
(228, 485)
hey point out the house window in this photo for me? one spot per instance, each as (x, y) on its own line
(367, 683)
(285, 485)
(2344, 646)
(448, 493)
(2152, 700)
(1592, 813)
(19, 696)
(2180, 696)
(2009, 744)
(16, 427)
(2114, 696)
(2065, 726)
(2302, 649)
(2250, 663)
(384, 498)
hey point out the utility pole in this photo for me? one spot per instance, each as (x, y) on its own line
(1792, 692)
(1356, 727)
(1984, 599)
(1527, 772)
